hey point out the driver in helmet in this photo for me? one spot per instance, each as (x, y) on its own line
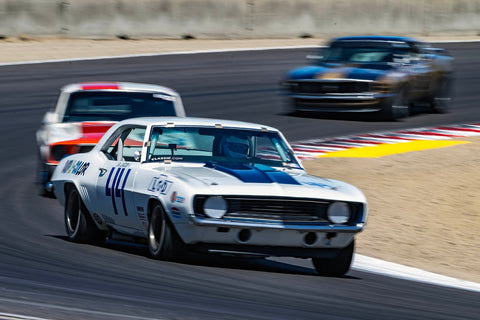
(236, 146)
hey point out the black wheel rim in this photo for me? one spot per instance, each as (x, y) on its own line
(157, 231)
(72, 215)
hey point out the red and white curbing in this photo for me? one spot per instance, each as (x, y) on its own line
(310, 149)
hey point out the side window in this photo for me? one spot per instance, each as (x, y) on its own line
(128, 142)
(132, 144)
(112, 151)
(266, 150)
(272, 149)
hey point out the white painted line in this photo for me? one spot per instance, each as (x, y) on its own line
(454, 41)
(154, 55)
(108, 315)
(364, 263)
(12, 316)
(189, 52)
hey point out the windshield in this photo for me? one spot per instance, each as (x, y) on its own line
(195, 144)
(363, 52)
(116, 106)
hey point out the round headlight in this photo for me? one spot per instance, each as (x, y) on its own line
(338, 212)
(215, 207)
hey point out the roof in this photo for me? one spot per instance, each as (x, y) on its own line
(192, 121)
(120, 86)
(376, 38)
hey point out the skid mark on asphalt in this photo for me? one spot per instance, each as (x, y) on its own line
(385, 143)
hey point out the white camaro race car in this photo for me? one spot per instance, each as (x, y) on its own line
(85, 111)
(216, 186)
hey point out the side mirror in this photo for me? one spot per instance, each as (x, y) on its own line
(137, 155)
(48, 118)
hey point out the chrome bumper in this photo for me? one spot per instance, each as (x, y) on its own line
(218, 223)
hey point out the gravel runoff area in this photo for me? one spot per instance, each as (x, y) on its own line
(423, 205)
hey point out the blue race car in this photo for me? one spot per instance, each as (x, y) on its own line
(385, 75)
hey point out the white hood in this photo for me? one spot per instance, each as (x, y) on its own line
(263, 180)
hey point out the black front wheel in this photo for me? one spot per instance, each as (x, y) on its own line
(396, 107)
(44, 174)
(337, 266)
(163, 241)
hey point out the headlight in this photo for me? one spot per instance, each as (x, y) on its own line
(215, 207)
(338, 212)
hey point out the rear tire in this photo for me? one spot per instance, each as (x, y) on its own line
(337, 266)
(78, 222)
(163, 241)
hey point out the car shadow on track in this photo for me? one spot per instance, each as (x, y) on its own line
(214, 260)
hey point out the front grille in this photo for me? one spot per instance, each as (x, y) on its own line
(279, 210)
(331, 87)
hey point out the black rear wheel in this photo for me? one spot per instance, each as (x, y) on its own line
(442, 100)
(337, 266)
(78, 223)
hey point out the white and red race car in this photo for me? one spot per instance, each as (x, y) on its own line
(85, 111)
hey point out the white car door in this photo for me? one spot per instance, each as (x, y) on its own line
(116, 180)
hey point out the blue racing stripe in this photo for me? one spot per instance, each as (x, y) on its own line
(123, 192)
(113, 192)
(107, 186)
(117, 190)
(253, 174)
(276, 175)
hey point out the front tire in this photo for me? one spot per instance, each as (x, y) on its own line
(44, 174)
(78, 223)
(442, 101)
(397, 107)
(163, 241)
(337, 266)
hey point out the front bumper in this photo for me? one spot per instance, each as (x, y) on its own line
(337, 95)
(354, 228)
(256, 237)
(339, 103)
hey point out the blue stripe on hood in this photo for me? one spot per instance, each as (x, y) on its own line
(367, 71)
(253, 174)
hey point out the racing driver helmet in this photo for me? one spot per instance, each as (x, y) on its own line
(236, 146)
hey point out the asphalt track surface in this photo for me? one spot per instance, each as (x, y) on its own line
(44, 275)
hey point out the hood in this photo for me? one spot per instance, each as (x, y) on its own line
(70, 138)
(340, 71)
(243, 179)
(76, 133)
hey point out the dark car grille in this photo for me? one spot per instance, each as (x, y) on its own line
(333, 87)
(285, 210)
